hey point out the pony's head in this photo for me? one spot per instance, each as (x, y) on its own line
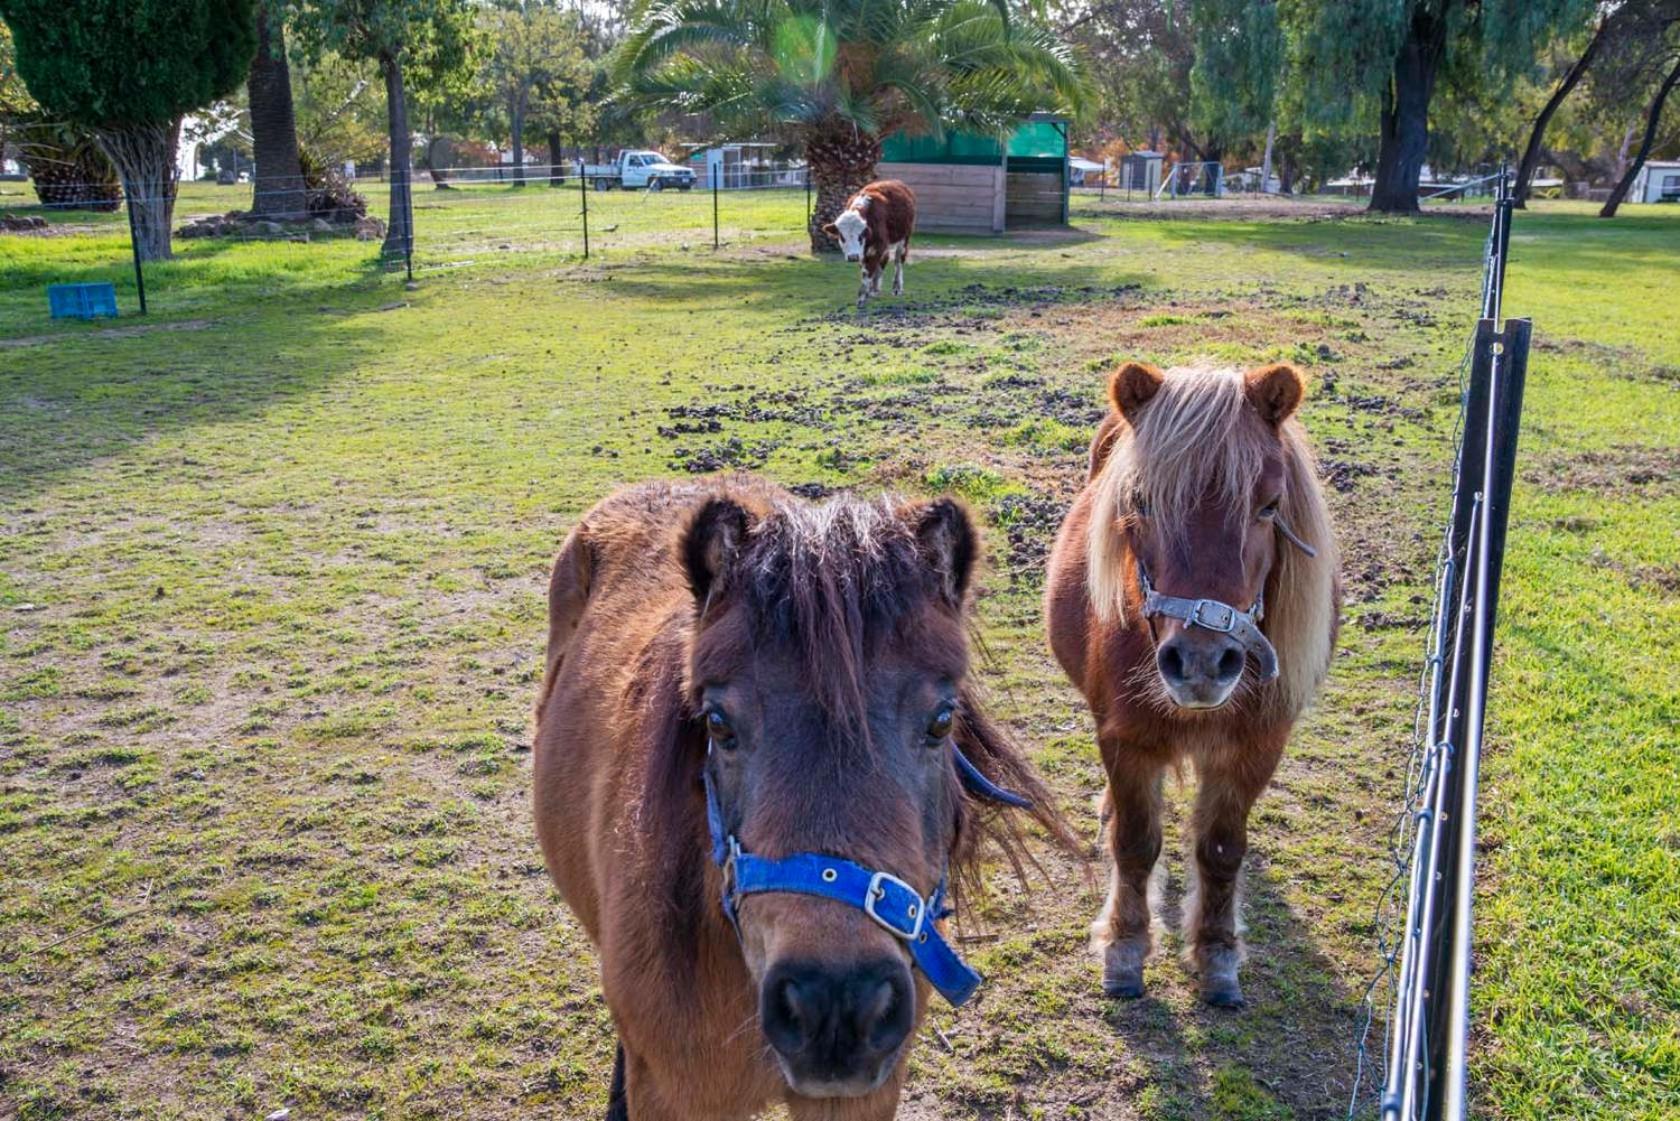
(1210, 492)
(829, 674)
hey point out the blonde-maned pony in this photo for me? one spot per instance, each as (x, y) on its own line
(1203, 484)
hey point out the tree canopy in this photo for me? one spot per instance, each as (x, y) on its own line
(140, 62)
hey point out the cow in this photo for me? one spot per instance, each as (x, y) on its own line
(876, 224)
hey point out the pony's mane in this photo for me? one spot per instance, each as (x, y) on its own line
(828, 581)
(1199, 436)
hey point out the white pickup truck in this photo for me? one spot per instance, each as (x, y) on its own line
(639, 167)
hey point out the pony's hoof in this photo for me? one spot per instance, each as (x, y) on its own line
(1128, 986)
(1123, 970)
(1223, 992)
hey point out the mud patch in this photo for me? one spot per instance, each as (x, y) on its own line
(1626, 469)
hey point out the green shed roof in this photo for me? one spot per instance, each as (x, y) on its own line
(1045, 138)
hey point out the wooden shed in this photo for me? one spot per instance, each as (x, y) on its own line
(973, 184)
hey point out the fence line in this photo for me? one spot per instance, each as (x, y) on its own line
(1425, 949)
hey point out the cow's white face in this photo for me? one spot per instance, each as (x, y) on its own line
(851, 228)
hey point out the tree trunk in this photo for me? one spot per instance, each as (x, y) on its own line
(556, 153)
(1404, 136)
(1286, 174)
(440, 175)
(1652, 119)
(398, 235)
(841, 161)
(1266, 161)
(1531, 154)
(1622, 152)
(144, 156)
(277, 188)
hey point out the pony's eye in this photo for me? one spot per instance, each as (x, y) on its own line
(939, 728)
(1140, 507)
(718, 729)
(1270, 509)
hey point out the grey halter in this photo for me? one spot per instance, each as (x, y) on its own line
(1216, 615)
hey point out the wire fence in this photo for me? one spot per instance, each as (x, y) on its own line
(455, 216)
(1424, 940)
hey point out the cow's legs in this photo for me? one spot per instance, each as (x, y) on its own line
(1122, 931)
(903, 251)
(863, 286)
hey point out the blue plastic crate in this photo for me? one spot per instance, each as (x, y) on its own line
(82, 301)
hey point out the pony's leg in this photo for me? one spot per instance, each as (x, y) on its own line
(1229, 783)
(1122, 931)
(618, 1105)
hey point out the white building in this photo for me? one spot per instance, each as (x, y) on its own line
(1657, 181)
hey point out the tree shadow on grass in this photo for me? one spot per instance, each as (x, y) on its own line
(76, 396)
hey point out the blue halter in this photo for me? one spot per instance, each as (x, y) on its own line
(891, 902)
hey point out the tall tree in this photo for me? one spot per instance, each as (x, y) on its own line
(531, 44)
(1653, 117)
(1537, 135)
(277, 188)
(129, 72)
(428, 41)
(1141, 53)
(1356, 56)
(839, 75)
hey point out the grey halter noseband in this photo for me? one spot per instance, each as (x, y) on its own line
(1217, 615)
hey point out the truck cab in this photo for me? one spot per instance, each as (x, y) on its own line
(642, 167)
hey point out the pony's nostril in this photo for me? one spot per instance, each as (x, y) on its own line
(883, 1010)
(792, 1010)
(1230, 664)
(1171, 664)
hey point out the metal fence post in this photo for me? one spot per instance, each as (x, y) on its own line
(134, 243)
(583, 189)
(714, 206)
(408, 231)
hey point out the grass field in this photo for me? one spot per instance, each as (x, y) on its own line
(272, 564)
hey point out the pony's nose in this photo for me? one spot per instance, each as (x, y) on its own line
(1200, 670)
(834, 1027)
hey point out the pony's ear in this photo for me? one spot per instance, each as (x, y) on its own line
(712, 543)
(1132, 386)
(1275, 391)
(948, 542)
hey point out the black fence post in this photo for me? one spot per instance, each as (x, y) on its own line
(714, 206)
(408, 231)
(583, 189)
(134, 243)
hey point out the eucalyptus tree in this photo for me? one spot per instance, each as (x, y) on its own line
(840, 75)
(128, 73)
(1354, 57)
(430, 42)
(535, 63)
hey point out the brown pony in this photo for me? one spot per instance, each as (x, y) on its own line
(796, 673)
(1192, 597)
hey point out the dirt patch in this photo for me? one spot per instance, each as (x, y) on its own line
(1627, 469)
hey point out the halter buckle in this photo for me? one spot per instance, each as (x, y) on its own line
(1224, 619)
(917, 908)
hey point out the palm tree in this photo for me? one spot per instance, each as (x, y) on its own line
(841, 74)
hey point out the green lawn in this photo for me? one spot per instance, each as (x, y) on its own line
(272, 564)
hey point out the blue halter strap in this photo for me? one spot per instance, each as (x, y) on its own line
(894, 904)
